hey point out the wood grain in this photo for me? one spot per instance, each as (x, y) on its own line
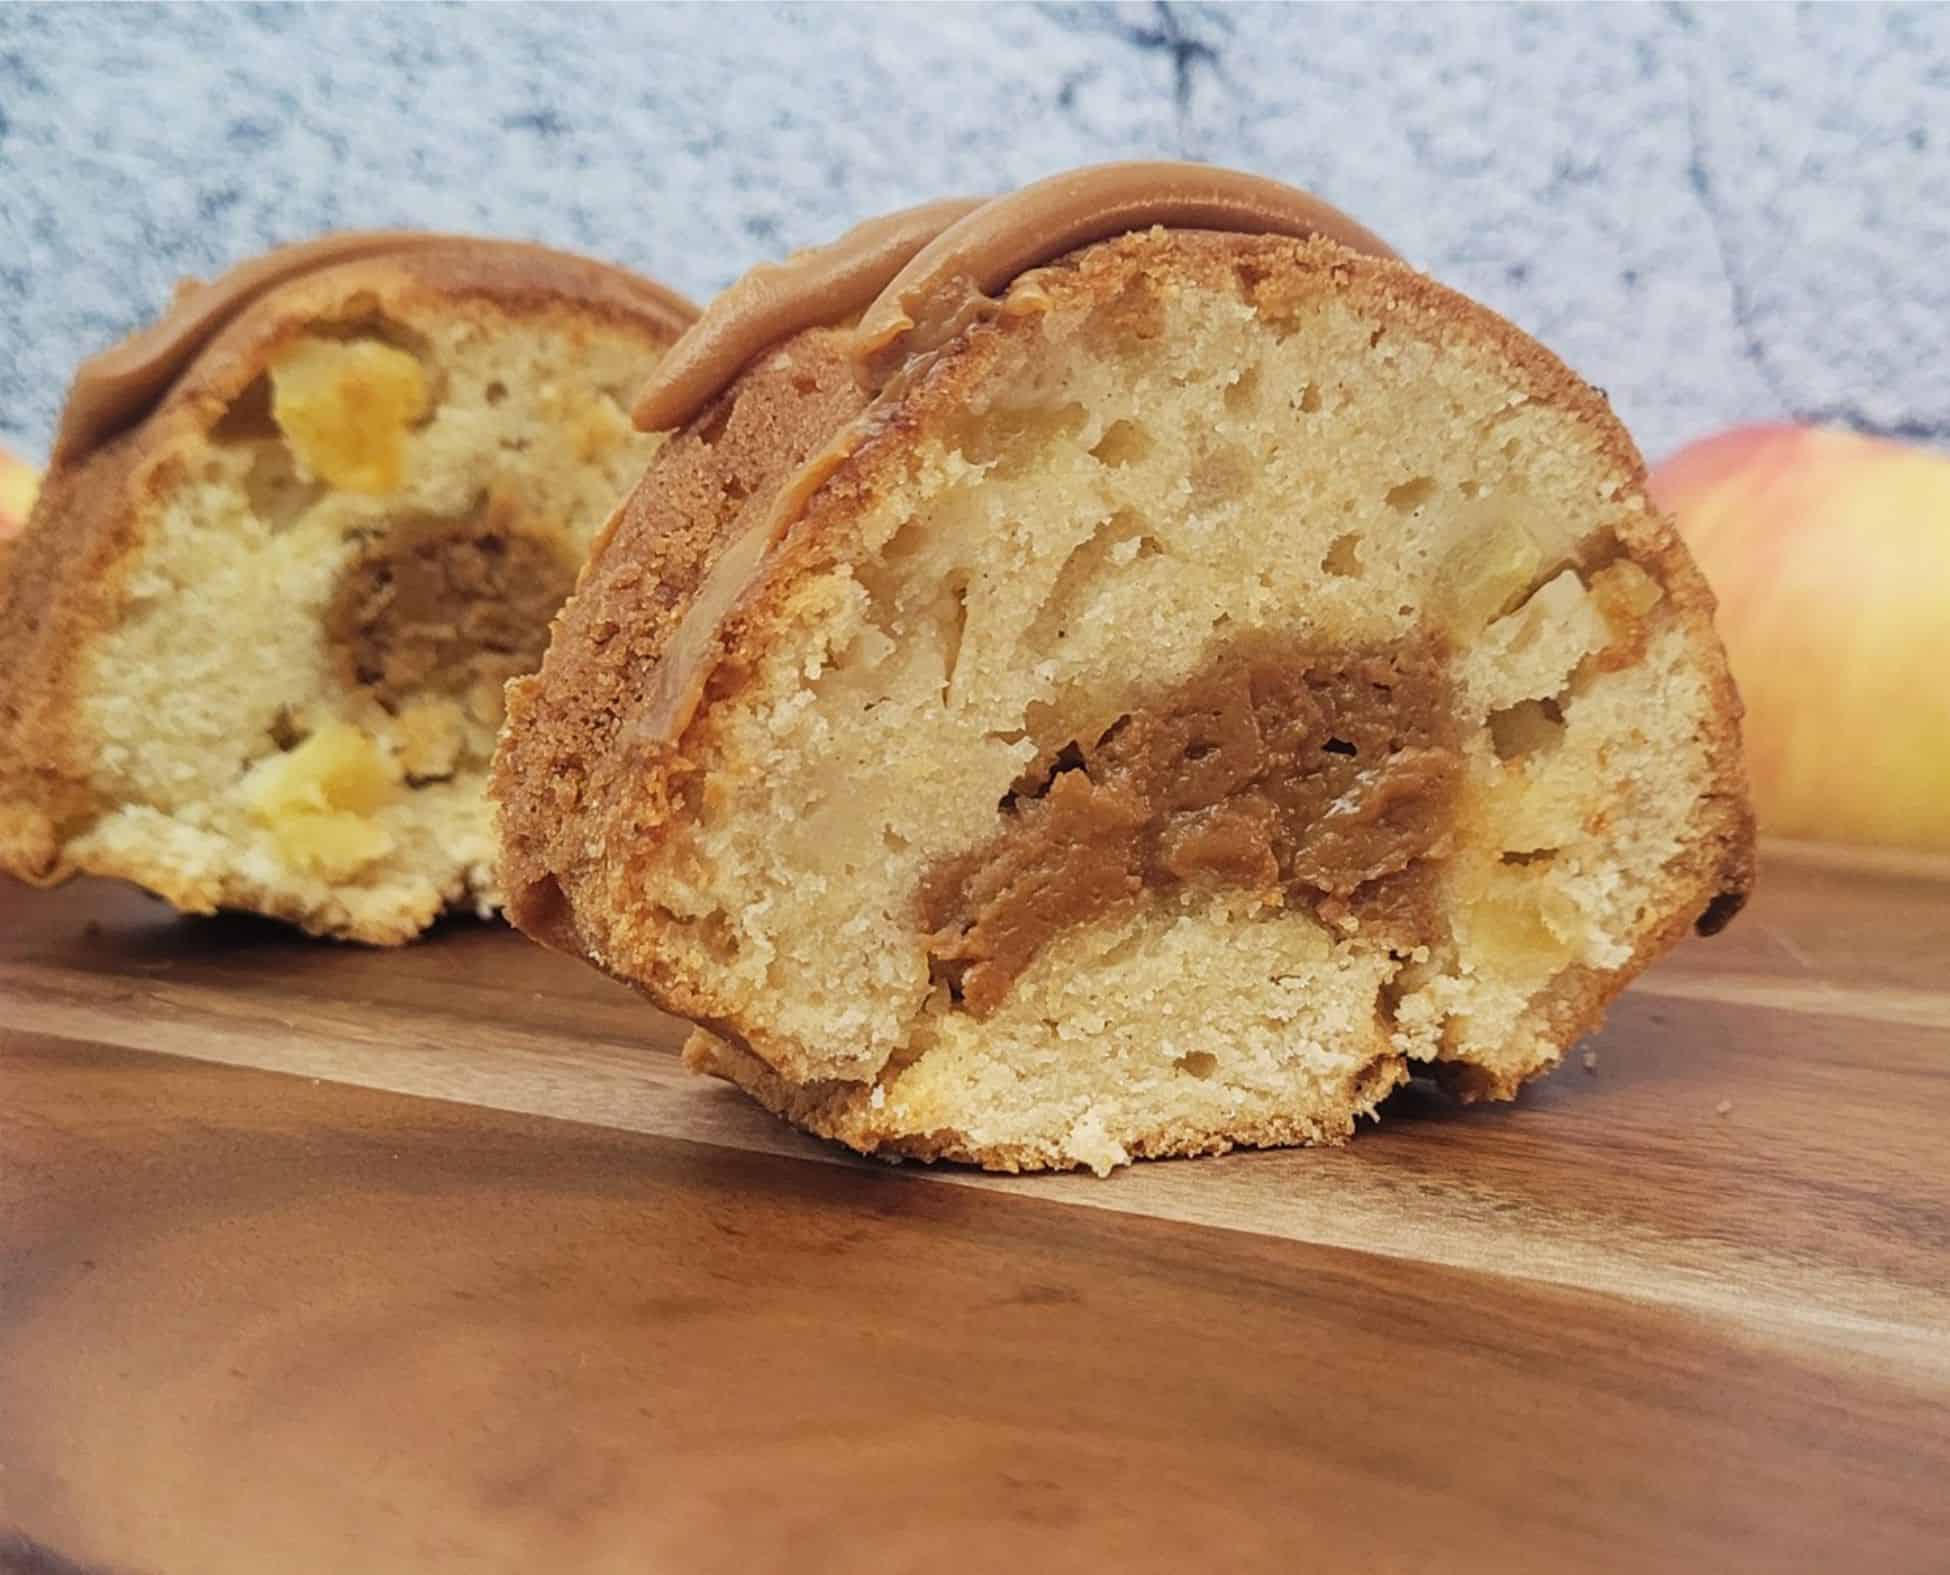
(316, 1258)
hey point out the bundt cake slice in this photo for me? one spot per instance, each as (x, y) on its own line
(293, 541)
(1139, 671)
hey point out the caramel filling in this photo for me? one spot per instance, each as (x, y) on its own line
(459, 608)
(1325, 778)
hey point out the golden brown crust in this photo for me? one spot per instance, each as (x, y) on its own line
(572, 854)
(64, 578)
(569, 765)
(59, 588)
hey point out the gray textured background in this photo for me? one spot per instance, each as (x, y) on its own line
(1719, 213)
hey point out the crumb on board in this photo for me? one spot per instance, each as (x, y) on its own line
(1723, 1108)
(1591, 1060)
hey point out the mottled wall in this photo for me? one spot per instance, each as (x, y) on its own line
(1718, 213)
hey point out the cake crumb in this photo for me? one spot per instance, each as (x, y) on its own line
(1591, 1061)
(1723, 1108)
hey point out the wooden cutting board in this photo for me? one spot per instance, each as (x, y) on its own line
(322, 1259)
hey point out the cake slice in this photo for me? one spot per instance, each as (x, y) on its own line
(1137, 671)
(293, 540)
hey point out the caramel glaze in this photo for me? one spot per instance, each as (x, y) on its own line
(924, 303)
(939, 257)
(116, 388)
(822, 284)
(911, 275)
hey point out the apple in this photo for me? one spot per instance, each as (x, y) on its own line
(19, 482)
(1829, 553)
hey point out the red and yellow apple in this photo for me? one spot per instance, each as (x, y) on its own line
(1829, 553)
(19, 482)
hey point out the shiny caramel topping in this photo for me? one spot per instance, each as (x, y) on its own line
(822, 284)
(982, 252)
(912, 275)
(1323, 778)
(115, 389)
